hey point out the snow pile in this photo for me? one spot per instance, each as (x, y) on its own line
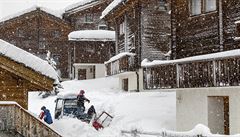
(57, 14)
(118, 56)
(110, 7)
(92, 35)
(219, 55)
(28, 59)
(79, 4)
(150, 110)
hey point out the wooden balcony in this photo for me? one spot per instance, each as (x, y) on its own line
(16, 121)
(123, 64)
(207, 72)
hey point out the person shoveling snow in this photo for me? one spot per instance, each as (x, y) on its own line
(72, 105)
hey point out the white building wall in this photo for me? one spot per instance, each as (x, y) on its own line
(99, 70)
(140, 72)
(132, 80)
(192, 107)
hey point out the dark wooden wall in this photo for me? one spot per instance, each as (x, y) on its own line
(31, 30)
(156, 30)
(231, 13)
(93, 51)
(193, 35)
(77, 19)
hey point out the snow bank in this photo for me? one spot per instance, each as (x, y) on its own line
(110, 7)
(28, 59)
(151, 111)
(57, 14)
(120, 55)
(219, 55)
(92, 35)
(80, 3)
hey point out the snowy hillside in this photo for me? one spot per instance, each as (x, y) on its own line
(149, 111)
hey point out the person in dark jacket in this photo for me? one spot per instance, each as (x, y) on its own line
(46, 115)
(80, 101)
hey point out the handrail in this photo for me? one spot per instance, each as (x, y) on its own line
(19, 120)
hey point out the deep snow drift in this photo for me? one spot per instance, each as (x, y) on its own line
(148, 111)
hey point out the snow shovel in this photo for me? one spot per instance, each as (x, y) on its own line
(102, 121)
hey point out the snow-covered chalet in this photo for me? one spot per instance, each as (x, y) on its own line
(92, 41)
(205, 66)
(142, 33)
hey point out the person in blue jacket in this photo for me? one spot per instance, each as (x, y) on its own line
(46, 115)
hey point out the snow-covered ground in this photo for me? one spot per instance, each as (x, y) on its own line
(148, 111)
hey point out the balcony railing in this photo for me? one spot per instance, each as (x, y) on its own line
(207, 72)
(19, 122)
(122, 64)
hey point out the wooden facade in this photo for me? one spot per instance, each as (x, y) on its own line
(142, 28)
(92, 51)
(207, 32)
(18, 122)
(87, 16)
(17, 80)
(37, 32)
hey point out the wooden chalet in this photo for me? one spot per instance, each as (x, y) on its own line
(85, 15)
(38, 30)
(91, 41)
(204, 70)
(142, 32)
(20, 74)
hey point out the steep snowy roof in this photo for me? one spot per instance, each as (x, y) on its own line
(118, 56)
(79, 4)
(28, 59)
(111, 6)
(219, 55)
(92, 35)
(57, 14)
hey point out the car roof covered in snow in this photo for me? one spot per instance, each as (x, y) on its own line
(67, 96)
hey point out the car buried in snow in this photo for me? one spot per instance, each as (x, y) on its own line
(66, 105)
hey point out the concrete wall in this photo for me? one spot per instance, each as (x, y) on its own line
(132, 80)
(192, 107)
(99, 70)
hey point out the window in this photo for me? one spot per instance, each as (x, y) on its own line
(210, 5)
(56, 34)
(42, 45)
(56, 58)
(122, 28)
(88, 18)
(195, 7)
(102, 27)
(198, 7)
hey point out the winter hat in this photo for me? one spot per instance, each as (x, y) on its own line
(43, 108)
(81, 92)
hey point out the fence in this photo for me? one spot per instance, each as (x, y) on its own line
(18, 121)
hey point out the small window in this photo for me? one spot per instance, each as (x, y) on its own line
(122, 28)
(102, 27)
(20, 33)
(56, 34)
(210, 5)
(42, 45)
(56, 58)
(88, 18)
(195, 7)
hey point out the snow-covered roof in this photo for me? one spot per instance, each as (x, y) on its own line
(219, 55)
(111, 6)
(67, 96)
(79, 4)
(28, 59)
(118, 56)
(57, 14)
(92, 35)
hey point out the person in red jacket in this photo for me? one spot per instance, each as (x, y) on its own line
(80, 101)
